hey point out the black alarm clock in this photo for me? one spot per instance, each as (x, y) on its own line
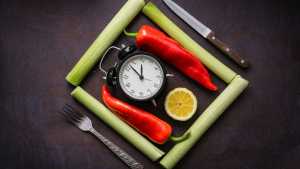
(140, 76)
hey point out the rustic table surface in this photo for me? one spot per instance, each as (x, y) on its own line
(40, 41)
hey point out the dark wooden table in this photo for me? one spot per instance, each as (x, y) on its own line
(40, 41)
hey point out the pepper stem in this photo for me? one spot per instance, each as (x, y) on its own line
(180, 138)
(131, 34)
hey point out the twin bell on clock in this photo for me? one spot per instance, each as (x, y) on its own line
(140, 76)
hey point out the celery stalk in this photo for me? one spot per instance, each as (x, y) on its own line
(140, 142)
(110, 33)
(204, 121)
(221, 70)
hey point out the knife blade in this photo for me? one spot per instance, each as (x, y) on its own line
(206, 32)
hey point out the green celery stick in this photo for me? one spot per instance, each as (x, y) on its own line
(221, 70)
(110, 33)
(204, 121)
(140, 142)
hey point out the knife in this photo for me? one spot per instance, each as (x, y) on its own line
(206, 33)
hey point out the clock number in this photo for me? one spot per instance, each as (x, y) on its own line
(155, 85)
(148, 90)
(141, 93)
(132, 91)
(125, 76)
(127, 68)
(158, 76)
(128, 84)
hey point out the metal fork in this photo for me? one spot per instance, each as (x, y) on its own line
(85, 124)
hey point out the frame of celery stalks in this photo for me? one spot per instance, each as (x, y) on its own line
(236, 84)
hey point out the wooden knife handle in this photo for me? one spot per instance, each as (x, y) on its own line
(227, 50)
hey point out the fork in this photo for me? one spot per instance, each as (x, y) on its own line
(85, 124)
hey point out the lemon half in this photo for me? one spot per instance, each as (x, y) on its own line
(181, 104)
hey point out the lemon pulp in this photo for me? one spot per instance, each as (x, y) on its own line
(181, 104)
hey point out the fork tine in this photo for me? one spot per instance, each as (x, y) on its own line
(67, 117)
(71, 115)
(76, 112)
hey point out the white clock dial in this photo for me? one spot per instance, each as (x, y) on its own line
(141, 77)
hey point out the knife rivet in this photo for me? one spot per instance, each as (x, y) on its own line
(242, 61)
(227, 49)
(213, 38)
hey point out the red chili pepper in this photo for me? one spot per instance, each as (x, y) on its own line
(156, 42)
(149, 125)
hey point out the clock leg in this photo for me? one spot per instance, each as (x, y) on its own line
(154, 102)
(169, 75)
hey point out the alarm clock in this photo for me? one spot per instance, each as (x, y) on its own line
(140, 75)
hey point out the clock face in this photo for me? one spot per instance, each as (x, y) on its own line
(141, 77)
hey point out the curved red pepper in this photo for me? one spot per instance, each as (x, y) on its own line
(156, 42)
(149, 125)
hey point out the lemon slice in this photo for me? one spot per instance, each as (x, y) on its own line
(181, 104)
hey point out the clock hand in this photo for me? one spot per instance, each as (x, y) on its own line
(136, 72)
(142, 71)
(148, 79)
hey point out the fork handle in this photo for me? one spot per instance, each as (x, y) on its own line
(126, 158)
